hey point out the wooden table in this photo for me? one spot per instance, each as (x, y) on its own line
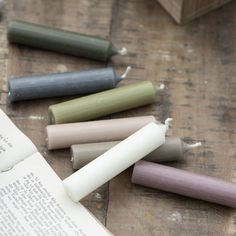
(196, 62)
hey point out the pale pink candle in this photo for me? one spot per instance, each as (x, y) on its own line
(184, 183)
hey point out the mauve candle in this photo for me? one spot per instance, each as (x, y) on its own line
(58, 40)
(184, 183)
(104, 103)
(65, 135)
(63, 84)
(172, 150)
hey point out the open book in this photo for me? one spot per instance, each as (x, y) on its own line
(32, 197)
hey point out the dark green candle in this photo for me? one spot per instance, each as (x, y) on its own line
(104, 103)
(61, 41)
(1, 7)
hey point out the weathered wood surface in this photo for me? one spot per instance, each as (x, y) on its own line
(32, 116)
(197, 64)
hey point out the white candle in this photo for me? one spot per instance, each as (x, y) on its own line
(115, 160)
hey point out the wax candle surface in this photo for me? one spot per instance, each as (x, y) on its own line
(114, 161)
(172, 150)
(185, 183)
(61, 41)
(103, 103)
(65, 135)
(63, 84)
(1, 7)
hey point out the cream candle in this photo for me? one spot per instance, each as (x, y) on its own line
(115, 160)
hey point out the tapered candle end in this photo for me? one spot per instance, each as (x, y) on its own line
(168, 122)
(122, 51)
(128, 69)
(72, 158)
(68, 186)
(9, 97)
(52, 119)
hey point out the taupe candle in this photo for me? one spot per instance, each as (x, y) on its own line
(65, 135)
(172, 150)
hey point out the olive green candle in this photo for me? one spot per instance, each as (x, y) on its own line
(104, 103)
(61, 41)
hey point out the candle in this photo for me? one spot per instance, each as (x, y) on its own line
(1, 7)
(115, 160)
(104, 103)
(185, 183)
(172, 150)
(65, 135)
(61, 41)
(63, 84)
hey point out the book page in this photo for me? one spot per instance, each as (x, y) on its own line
(33, 202)
(14, 145)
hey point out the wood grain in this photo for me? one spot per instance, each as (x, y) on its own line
(197, 64)
(31, 116)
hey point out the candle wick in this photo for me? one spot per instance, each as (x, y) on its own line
(9, 96)
(195, 145)
(122, 51)
(167, 122)
(161, 87)
(128, 69)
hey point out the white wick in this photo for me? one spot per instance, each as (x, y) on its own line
(128, 69)
(195, 145)
(167, 123)
(122, 51)
(161, 87)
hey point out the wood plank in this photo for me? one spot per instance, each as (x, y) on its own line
(31, 116)
(197, 64)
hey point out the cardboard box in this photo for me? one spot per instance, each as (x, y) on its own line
(185, 10)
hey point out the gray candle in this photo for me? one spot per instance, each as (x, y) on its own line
(185, 183)
(172, 150)
(63, 84)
